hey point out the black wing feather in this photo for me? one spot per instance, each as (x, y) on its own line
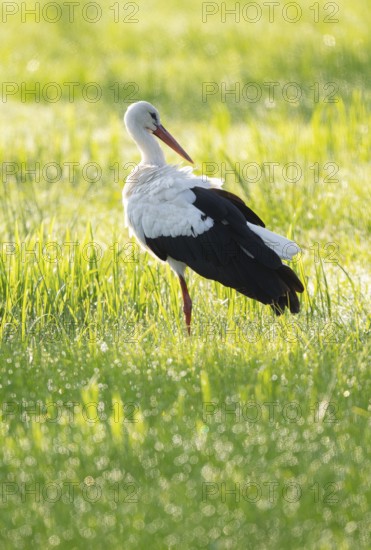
(220, 209)
(224, 254)
(250, 215)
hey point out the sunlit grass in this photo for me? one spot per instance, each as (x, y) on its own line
(100, 385)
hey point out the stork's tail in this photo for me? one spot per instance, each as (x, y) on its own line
(290, 299)
(286, 250)
(282, 246)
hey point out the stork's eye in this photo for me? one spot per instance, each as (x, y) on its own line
(153, 115)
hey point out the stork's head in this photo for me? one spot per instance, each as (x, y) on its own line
(142, 116)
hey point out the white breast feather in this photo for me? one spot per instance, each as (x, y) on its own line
(159, 202)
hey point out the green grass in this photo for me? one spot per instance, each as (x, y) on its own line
(116, 428)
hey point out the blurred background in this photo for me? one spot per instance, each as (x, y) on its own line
(168, 51)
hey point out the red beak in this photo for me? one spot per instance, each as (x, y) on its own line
(167, 138)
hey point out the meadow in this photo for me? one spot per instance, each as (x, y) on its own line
(116, 427)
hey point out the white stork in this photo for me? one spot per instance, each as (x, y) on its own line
(188, 220)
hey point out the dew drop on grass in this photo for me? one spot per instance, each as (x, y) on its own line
(54, 540)
(104, 347)
(89, 480)
(329, 40)
(32, 66)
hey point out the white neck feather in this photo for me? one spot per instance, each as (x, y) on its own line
(148, 146)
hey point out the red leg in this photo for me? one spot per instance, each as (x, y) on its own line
(187, 308)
